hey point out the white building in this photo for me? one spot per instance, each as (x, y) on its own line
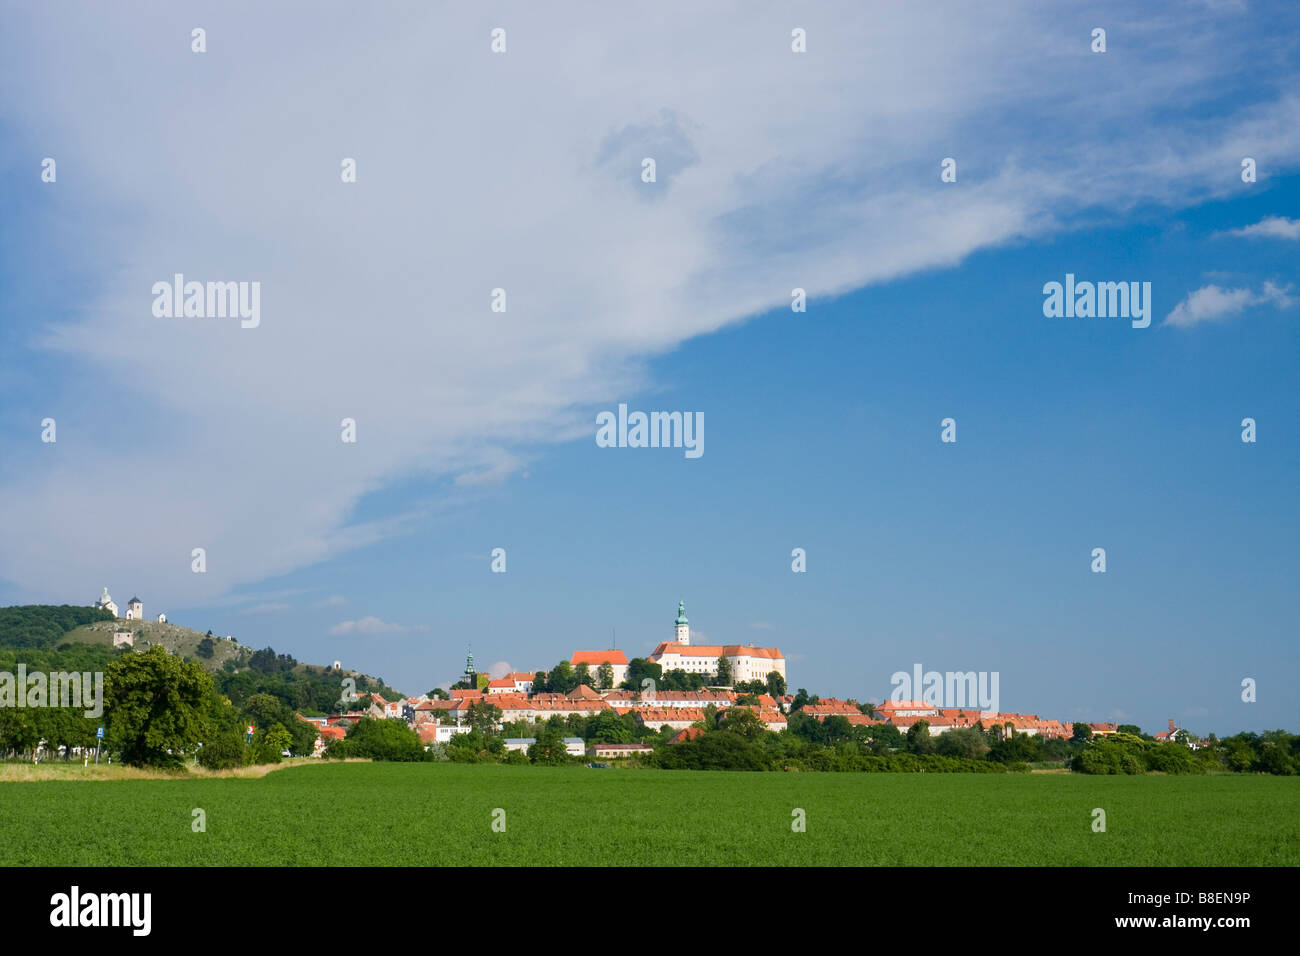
(162, 618)
(123, 637)
(616, 660)
(748, 662)
(134, 610)
(105, 603)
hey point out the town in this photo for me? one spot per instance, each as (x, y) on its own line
(706, 680)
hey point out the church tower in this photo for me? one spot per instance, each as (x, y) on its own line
(683, 625)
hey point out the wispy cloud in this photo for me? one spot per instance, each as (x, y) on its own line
(1270, 227)
(775, 170)
(1211, 303)
(370, 626)
(269, 607)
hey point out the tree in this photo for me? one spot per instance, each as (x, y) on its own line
(549, 747)
(541, 683)
(605, 676)
(639, 669)
(724, 671)
(775, 684)
(156, 706)
(483, 717)
(207, 647)
(608, 727)
(742, 722)
(1133, 729)
(1082, 732)
(919, 740)
(581, 675)
(562, 678)
(962, 742)
(380, 740)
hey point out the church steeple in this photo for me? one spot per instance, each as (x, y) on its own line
(683, 625)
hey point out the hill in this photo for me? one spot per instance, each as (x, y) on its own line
(178, 640)
(45, 635)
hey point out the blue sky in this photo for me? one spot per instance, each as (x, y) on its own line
(822, 429)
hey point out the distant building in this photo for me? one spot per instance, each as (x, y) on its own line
(105, 603)
(620, 750)
(748, 663)
(134, 610)
(162, 618)
(123, 637)
(616, 660)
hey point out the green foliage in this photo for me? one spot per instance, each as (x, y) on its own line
(380, 740)
(724, 672)
(41, 625)
(156, 706)
(206, 649)
(638, 669)
(437, 814)
(549, 747)
(223, 750)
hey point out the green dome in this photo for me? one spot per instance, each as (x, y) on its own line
(681, 613)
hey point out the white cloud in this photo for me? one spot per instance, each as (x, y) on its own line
(334, 600)
(1270, 227)
(370, 626)
(1211, 303)
(818, 170)
(269, 607)
(499, 669)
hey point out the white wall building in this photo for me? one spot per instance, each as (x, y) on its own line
(747, 661)
(105, 603)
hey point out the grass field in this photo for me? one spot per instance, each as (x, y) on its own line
(431, 814)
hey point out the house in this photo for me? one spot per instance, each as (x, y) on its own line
(678, 718)
(573, 746)
(523, 682)
(1175, 735)
(620, 750)
(431, 733)
(831, 707)
(616, 660)
(502, 685)
(162, 618)
(905, 708)
(123, 637)
(1103, 730)
(134, 610)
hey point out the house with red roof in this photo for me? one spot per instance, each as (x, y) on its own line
(616, 659)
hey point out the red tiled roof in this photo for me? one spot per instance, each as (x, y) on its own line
(688, 733)
(596, 658)
(715, 650)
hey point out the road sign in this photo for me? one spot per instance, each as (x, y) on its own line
(99, 731)
(250, 730)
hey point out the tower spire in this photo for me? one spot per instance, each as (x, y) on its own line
(683, 626)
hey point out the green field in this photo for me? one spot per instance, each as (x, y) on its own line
(432, 814)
